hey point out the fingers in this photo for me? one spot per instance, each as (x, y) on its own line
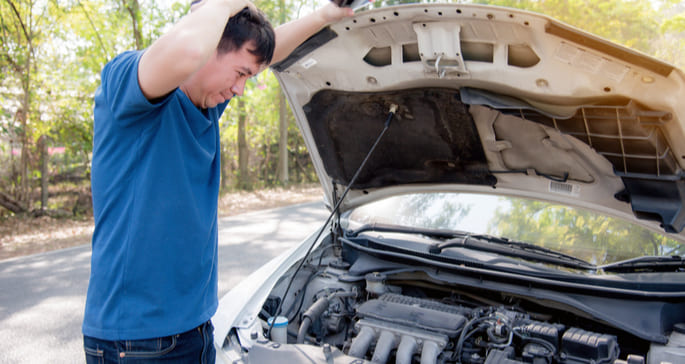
(251, 5)
(196, 4)
(239, 5)
(235, 5)
(331, 13)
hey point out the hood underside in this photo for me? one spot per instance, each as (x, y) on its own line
(433, 138)
(490, 98)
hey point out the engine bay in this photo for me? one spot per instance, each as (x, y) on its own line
(348, 306)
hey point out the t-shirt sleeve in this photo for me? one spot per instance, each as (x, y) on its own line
(122, 91)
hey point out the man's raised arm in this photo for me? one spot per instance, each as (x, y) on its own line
(176, 55)
(292, 34)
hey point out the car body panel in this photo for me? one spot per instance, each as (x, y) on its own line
(460, 99)
(239, 308)
(556, 109)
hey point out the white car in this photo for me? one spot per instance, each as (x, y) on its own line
(504, 188)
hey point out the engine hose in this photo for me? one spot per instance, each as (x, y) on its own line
(465, 334)
(314, 312)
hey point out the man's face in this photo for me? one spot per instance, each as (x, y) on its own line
(222, 77)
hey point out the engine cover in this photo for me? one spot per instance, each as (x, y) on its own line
(410, 325)
(414, 313)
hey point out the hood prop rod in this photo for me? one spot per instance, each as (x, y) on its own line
(335, 226)
(391, 113)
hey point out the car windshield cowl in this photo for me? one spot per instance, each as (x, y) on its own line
(513, 248)
(673, 263)
(482, 242)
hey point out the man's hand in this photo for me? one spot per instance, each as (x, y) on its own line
(237, 5)
(290, 35)
(196, 5)
(183, 50)
(331, 13)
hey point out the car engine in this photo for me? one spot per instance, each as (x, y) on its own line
(399, 316)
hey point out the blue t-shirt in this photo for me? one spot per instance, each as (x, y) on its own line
(155, 182)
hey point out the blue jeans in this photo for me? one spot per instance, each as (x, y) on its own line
(194, 346)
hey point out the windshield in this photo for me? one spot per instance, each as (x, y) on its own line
(594, 238)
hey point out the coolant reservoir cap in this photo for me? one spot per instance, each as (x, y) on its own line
(281, 321)
(679, 328)
(375, 277)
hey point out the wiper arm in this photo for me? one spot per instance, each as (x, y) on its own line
(388, 228)
(513, 248)
(457, 238)
(673, 263)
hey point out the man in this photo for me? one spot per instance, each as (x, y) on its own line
(155, 179)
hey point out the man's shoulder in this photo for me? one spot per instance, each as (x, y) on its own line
(124, 59)
(119, 97)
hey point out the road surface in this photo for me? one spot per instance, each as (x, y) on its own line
(42, 296)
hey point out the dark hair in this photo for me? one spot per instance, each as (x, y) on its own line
(246, 26)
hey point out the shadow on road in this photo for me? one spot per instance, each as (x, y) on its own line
(42, 297)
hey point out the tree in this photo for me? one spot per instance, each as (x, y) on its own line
(52, 54)
(24, 25)
(243, 175)
(132, 8)
(670, 46)
(632, 23)
(282, 121)
(267, 145)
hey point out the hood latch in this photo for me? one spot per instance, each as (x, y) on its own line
(440, 48)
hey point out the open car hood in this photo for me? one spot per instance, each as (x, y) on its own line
(490, 98)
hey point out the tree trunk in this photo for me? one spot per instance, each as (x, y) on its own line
(243, 180)
(44, 157)
(22, 192)
(133, 9)
(21, 62)
(283, 140)
(23, 69)
(11, 204)
(282, 169)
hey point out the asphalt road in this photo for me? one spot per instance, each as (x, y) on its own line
(42, 297)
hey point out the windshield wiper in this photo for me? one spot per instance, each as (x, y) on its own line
(673, 263)
(482, 242)
(513, 248)
(388, 228)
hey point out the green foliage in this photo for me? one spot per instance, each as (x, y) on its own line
(674, 24)
(669, 45)
(51, 54)
(260, 105)
(632, 23)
